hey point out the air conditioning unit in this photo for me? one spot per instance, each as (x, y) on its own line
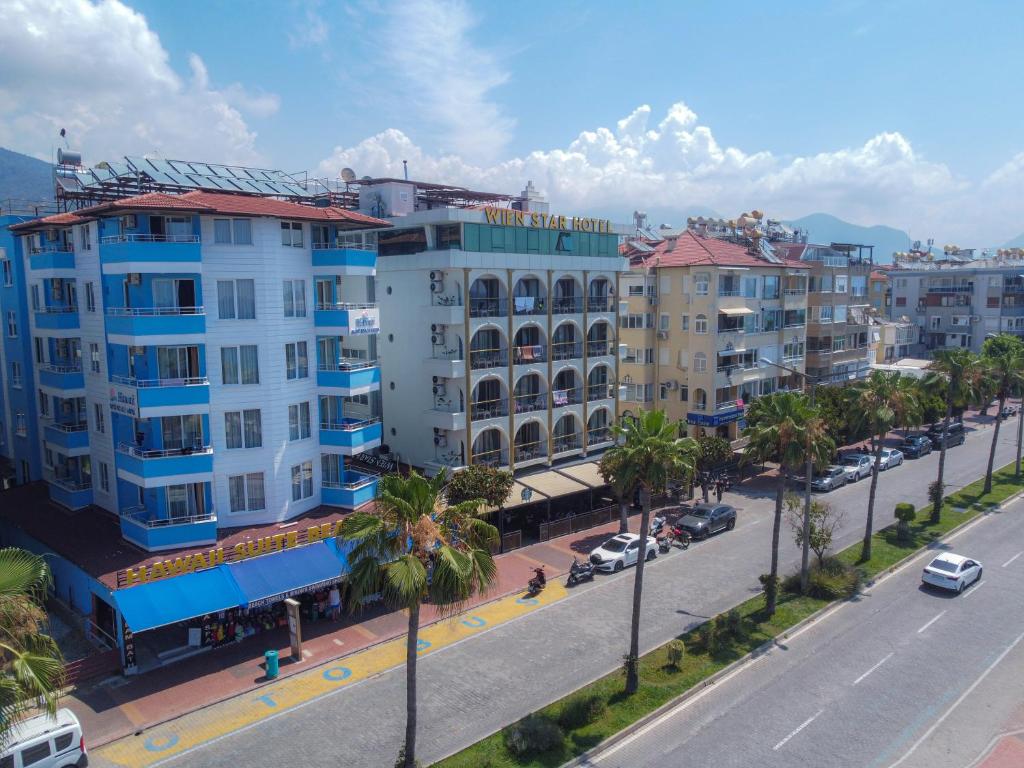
(134, 278)
(437, 339)
(662, 334)
(135, 351)
(441, 441)
(436, 276)
(438, 380)
(671, 385)
(440, 390)
(436, 328)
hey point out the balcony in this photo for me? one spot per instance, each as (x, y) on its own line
(967, 288)
(483, 359)
(142, 398)
(352, 490)
(57, 318)
(599, 348)
(599, 436)
(525, 306)
(496, 458)
(602, 391)
(134, 325)
(49, 257)
(530, 402)
(351, 436)
(120, 254)
(68, 492)
(72, 439)
(561, 398)
(489, 409)
(347, 378)
(488, 307)
(529, 354)
(567, 350)
(567, 305)
(345, 260)
(600, 304)
(445, 415)
(566, 444)
(154, 468)
(531, 452)
(341, 319)
(61, 376)
(154, 534)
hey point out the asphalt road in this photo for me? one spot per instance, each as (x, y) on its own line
(476, 687)
(905, 676)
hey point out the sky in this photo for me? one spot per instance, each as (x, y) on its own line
(899, 112)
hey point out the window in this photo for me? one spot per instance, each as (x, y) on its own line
(243, 429)
(825, 314)
(63, 741)
(296, 360)
(636, 290)
(8, 270)
(239, 365)
(750, 287)
(935, 321)
(94, 357)
(20, 425)
(663, 322)
(839, 315)
(37, 344)
(841, 283)
(16, 374)
(12, 324)
(232, 231)
(236, 299)
(700, 362)
(685, 323)
(637, 321)
(34, 290)
(901, 301)
(771, 287)
(663, 392)
(101, 420)
(44, 405)
(684, 393)
(302, 481)
(792, 350)
(838, 343)
(35, 753)
(700, 324)
(294, 298)
(90, 297)
(104, 477)
(291, 233)
(246, 492)
(701, 282)
(298, 421)
(83, 237)
(564, 241)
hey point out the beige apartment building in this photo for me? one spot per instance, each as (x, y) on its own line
(697, 317)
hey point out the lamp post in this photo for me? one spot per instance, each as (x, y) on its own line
(805, 555)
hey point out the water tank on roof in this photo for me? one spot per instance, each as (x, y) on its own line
(67, 157)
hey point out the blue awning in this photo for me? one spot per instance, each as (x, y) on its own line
(267, 579)
(158, 603)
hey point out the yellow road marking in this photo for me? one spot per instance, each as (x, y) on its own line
(196, 728)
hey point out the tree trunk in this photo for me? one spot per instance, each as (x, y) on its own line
(995, 440)
(411, 643)
(1020, 439)
(865, 550)
(771, 589)
(633, 661)
(623, 516)
(937, 504)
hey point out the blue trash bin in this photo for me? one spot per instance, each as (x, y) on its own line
(270, 657)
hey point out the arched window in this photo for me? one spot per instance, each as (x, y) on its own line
(700, 324)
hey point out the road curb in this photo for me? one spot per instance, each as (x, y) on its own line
(749, 658)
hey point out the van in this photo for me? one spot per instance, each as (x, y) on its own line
(954, 435)
(46, 742)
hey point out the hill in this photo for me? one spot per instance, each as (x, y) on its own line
(825, 228)
(1017, 242)
(23, 178)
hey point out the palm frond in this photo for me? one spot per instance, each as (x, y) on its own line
(405, 581)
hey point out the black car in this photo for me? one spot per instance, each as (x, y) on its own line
(916, 446)
(705, 519)
(954, 435)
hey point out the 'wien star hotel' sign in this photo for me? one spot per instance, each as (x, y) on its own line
(509, 218)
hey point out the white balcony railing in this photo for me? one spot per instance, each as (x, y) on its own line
(190, 381)
(154, 311)
(162, 453)
(142, 238)
(140, 515)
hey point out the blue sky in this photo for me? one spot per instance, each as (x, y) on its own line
(902, 113)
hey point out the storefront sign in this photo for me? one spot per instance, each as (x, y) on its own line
(123, 400)
(197, 561)
(715, 420)
(129, 647)
(509, 218)
(364, 322)
(382, 463)
(265, 601)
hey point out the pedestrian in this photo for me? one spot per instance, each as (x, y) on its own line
(334, 600)
(719, 490)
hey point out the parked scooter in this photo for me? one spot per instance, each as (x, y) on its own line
(536, 585)
(664, 544)
(579, 572)
(657, 524)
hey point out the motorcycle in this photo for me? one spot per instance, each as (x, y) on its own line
(681, 536)
(579, 572)
(536, 585)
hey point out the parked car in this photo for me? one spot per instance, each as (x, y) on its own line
(856, 465)
(46, 742)
(889, 457)
(829, 479)
(1008, 411)
(916, 446)
(950, 571)
(620, 551)
(953, 436)
(705, 519)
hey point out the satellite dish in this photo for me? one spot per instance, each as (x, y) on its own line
(347, 174)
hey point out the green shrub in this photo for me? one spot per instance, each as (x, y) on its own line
(831, 580)
(734, 624)
(581, 710)
(771, 587)
(676, 650)
(721, 629)
(905, 514)
(533, 734)
(707, 638)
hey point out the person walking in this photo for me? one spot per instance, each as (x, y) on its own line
(334, 602)
(719, 490)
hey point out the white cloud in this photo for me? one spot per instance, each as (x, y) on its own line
(98, 70)
(311, 29)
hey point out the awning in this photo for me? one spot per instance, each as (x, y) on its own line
(267, 579)
(586, 473)
(731, 311)
(552, 484)
(167, 601)
(515, 498)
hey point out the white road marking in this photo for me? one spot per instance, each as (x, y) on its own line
(799, 728)
(959, 701)
(932, 621)
(1012, 559)
(307, 654)
(873, 668)
(974, 588)
(338, 642)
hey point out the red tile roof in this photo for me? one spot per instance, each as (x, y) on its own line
(693, 250)
(878, 275)
(56, 220)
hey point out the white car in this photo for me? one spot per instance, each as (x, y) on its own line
(46, 742)
(889, 458)
(620, 551)
(951, 571)
(856, 466)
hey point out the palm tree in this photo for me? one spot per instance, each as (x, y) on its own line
(1004, 369)
(880, 402)
(951, 372)
(650, 446)
(416, 547)
(31, 667)
(619, 475)
(784, 427)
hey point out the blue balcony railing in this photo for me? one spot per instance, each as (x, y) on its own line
(57, 318)
(353, 378)
(346, 261)
(141, 527)
(151, 464)
(69, 437)
(350, 491)
(58, 376)
(155, 321)
(352, 435)
(151, 248)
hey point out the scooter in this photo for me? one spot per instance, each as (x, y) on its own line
(536, 585)
(657, 524)
(664, 544)
(681, 536)
(579, 572)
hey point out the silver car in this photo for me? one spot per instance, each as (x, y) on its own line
(856, 465)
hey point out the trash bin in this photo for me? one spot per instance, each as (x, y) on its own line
(270, 658)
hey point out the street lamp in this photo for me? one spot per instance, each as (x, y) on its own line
(805, 555)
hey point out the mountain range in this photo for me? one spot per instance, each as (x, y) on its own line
(825, 228)
(24, 179)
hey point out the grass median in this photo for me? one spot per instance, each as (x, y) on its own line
(572, 725)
